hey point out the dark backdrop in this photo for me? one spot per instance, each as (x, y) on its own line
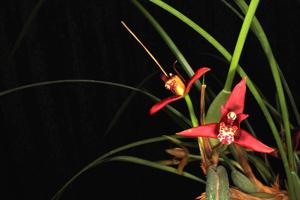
(49, 133)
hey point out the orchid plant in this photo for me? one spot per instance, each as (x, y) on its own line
(223, 144)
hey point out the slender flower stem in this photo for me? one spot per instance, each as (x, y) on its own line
(204, 141)
(202, 104)
(190, 106)
(240, 44)
(195, 123)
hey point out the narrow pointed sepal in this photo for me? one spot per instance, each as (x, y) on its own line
(195, 77)
(247, 140)
(236, 100)
(158, 106)
(208, 130)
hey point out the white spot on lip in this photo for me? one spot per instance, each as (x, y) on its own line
(189, 131)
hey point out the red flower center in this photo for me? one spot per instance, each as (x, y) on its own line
(228, 128)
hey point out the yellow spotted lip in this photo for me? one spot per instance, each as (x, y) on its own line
(176, 85)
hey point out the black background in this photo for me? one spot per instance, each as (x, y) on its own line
(49, 133)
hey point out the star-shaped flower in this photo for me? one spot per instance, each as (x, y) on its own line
(176, 85)
(228, 129)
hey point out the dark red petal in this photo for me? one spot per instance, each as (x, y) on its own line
(208, 130)
(236, 99)
(195, 77)
(242, 117)
(163, 103)
(249, 141)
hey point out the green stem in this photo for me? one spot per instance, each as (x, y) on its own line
(240, 44)
(190, 106)
(195, 123)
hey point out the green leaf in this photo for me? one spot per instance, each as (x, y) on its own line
(232, 164)
(214, 111)
(296, 183)
(291, 97)
(224, 183)
(243, 182)
(262, 169)
(25, 27)
(101, 159)
(240, 43)
(155, 165)
(175, 113)
(191, 110)
(212, 183)
(217, 185)
(124, 105)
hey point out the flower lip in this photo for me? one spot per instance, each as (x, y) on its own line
(175, 84)
(227, 133)
(228, 128)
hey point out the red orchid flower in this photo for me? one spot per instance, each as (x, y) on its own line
(228, 129)
(176, 85)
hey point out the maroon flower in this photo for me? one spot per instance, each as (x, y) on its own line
(228, 129)
(176, 85)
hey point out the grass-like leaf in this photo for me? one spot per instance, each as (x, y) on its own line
(284, 82)
(25, 28)
(260, 34)
(168, 108)
(263, 170)
(240, 44)
(155, 165)
(105, 156)
(124, 105)
(213, 114)
(296, 184)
